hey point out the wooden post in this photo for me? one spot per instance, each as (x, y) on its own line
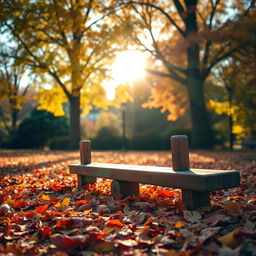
(180, 155)
(195, 199)
(124, 188)
(180, 162)
(85, 158)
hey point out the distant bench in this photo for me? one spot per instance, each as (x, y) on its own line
(196, 184)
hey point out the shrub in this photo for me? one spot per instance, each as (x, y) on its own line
(37, 129)
(107, 139)
(58, 143)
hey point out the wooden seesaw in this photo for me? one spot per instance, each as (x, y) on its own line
(196, 184)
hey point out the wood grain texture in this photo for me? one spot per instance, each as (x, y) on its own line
(194, 199)
(194, 179)
(85, 158)
(85, 152)
(180, 154)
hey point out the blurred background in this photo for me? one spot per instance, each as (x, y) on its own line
(127, 75)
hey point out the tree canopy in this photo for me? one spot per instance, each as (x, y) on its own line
(189, 38)
(67, 44)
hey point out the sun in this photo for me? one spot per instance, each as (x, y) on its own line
(127, 67)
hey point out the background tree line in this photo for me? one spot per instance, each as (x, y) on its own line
(199, 51)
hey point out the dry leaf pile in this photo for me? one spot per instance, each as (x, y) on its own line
(42, 212)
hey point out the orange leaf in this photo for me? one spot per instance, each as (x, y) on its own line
(179, 224)
(80, 202)
(115, 223)
(62, 223)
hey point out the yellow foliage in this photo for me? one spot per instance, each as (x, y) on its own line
(122, 95)
(238, 129)
(219, 107)
(51, 100)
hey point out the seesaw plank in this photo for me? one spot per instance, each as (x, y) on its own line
(194, 179)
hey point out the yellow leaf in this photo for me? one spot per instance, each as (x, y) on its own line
(87, 211)
(57, 205)
(45, 197)
(65, 202)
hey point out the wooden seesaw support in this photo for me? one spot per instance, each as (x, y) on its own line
(196, 184)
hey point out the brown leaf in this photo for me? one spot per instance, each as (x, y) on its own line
(229, 239)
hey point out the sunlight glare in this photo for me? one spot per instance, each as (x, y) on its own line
(128, 67)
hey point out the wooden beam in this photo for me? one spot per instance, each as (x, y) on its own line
(194, 179)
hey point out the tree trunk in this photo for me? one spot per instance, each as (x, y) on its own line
(230, 118)
(74, 130)
(201, 131)
(14, 121)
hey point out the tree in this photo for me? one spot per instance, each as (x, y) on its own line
(12, 93)
(190, 38)
(239, 102)
(66, 43)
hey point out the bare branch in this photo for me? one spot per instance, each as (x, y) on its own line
(169, 18)
(172, 76)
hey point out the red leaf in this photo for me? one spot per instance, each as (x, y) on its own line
(58, 188)
(17, 219)
(15, 196)
(165, 193)
(29, 214)
(114, 223)
(42, 208)
(54, 200)
(45, 231)
(69, 243)
(20, 204)
(3, 196)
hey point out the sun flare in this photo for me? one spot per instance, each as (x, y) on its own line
(128, 67)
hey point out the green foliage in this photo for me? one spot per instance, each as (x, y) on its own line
(58, 143)
(107, 138)
(36, 130)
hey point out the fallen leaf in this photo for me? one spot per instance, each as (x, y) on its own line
(192, 217)
(179, 224)
(103, 246)
(115, 223)
(232, 207)
(229, 239)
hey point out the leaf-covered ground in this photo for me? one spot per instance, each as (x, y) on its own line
(43, 213)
